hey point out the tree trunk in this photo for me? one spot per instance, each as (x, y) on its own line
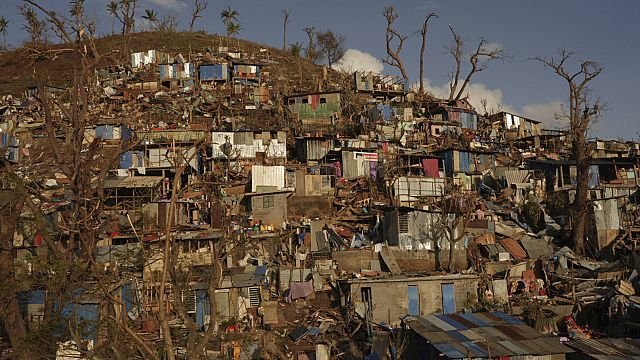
(422, 48)
(450, 264)
(284, 35)
(438, 251)
(11, 318)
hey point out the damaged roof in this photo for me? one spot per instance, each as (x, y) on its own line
(607, 348)
(133, 182)
(483, 335)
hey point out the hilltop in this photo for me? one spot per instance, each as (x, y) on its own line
(17, 66)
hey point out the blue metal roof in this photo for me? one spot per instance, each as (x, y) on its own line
(474, 319)
(449, 320)
(507, 318)
(503, 334)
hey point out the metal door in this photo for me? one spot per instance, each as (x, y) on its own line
(448, 299)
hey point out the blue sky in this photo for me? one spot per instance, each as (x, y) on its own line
(604, 31)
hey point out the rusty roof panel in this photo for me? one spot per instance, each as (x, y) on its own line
(514, 248)
(472, 335)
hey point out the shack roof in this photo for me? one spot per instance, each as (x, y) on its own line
(607, 348)
(274, 192)
(473, 335)
(133, 182)
(312, 93)
(405, 278)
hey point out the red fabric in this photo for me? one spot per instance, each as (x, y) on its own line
(315, 100)
(430, 167)
(38, 239)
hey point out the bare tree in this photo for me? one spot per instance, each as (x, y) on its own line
(285, 22)
(583, 111)
(127, 15)
(423, 33)
(331, 46)
(10, 206)
(84, 163)
(199, 6)
(456, 208)
(167, 23)
(311, 53)
(392, 35)
(479, 60)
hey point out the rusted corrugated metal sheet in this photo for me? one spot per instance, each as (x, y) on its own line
(267, 177)
(536, 248)
(607, 218)
(514, 249)
(607, 348)
(471, 335)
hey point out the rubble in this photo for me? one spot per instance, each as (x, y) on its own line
(330, 241)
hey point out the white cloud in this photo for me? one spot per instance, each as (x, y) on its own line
(476, 92)
(356, 60)
(546, 113)
(176, 5)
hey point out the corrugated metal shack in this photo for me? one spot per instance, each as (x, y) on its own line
(213, 72)
(359, 163)
(517, 127)
(312, 148)
(248, 144)
(367, 81)
(412, 190)
(267, 178)
(316, 111)
(485, 335)
(131, 192)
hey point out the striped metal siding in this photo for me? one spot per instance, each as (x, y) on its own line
(267, 176)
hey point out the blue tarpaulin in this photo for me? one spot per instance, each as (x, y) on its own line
(202, 307)
(126, 160)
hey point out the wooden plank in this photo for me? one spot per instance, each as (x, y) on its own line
(390, 260)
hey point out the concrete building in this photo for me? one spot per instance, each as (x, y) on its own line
(387, 300)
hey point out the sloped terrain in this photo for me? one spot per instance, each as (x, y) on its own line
(17, 67)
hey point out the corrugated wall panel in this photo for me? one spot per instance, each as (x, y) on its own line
(267, 176)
